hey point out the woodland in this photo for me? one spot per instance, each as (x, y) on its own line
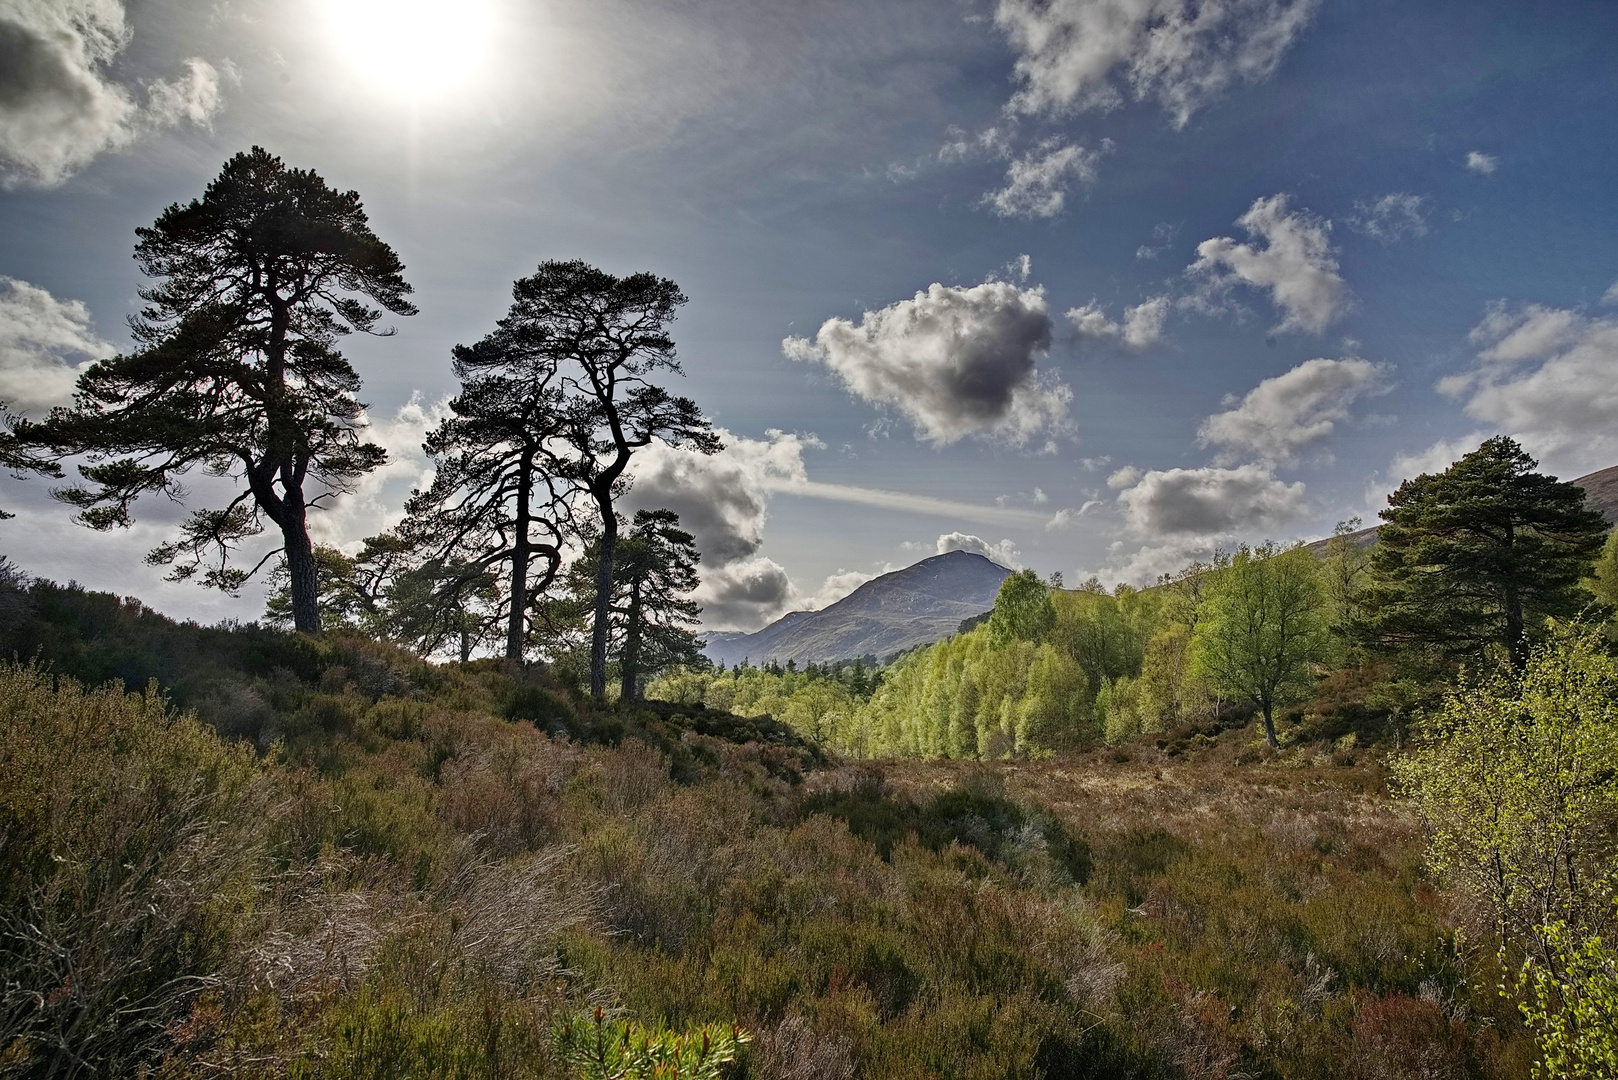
(469, 802)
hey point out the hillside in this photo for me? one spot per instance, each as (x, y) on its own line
(914, 606)
(1600, 493)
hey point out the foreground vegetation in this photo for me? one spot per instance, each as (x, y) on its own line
(427, 868)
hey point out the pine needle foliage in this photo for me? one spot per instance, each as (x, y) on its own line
(238, 373)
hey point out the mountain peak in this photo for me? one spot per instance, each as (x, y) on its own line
(899, 610)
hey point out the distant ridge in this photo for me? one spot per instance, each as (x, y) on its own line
(1600, 493)
(918, 605)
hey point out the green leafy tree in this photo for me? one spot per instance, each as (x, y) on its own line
(1518, 786)
(238, 373)
(501, 502)
(1262, 629)
(1023, 610)
(608, 336)
(1571, 1003)
(1604, 578)
(1479, 555)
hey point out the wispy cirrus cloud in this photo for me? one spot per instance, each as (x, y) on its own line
(1095, 54)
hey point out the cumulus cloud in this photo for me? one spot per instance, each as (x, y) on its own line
(1546, 376)
(1296, 264)
(1482, 163)
(744, 595)
(1209, 502)
(58, 108)
(1005, 552)
(1283, 415)
(1611, 295)
(37, 333)
(1091, 54)
(1037, 183)
(722, 499)
(957, 361)
(1435, 459)
(1140, 329)
(1390, 218)
(377, 501)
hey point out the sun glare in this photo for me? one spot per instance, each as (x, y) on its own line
(413, 49)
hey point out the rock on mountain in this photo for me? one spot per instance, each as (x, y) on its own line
(914, 606)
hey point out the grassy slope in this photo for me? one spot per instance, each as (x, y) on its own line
(417, 884)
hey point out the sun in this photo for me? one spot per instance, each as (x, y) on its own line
(413, 49)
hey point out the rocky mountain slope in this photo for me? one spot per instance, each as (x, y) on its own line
(914, 606)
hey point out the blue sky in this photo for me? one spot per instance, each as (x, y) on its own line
(1091, 285)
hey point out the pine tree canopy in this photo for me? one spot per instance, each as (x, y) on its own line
(237, 371)
(1479, 555)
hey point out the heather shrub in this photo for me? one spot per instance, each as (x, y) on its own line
(130, 835)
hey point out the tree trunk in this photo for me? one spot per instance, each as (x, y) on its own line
(519, 560)
(1269, 727)
(598, 633)
(302, 573)
(629, 663)
(1516, 642)
(466, 645)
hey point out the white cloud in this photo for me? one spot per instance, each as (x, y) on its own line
(1005, 552)
(744, 595)
(1069, 515)
(957, 361)
(722, 499)
(1296, 264)
(1141, 328)
(1611, 295)
(37, 333)
(1546, 377)
(1162, 236)
(1180, 53)
(194, 97)
(834, 588)
(1435, 459)
(1390, 218)
(1482, 163)
(1209, 502)
(377, 501)
(58, 108)
(1036, 183)
(1283, 415)
(1126, 477)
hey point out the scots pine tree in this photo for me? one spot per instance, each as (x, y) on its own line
(608, 336)
(237, 373)
(1479, 555)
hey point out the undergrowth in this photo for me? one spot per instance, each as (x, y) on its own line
(322, 858)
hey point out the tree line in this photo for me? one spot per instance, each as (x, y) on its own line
(237, 374)
(1472, 566)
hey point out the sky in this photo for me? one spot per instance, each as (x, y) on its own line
(1089, 286)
